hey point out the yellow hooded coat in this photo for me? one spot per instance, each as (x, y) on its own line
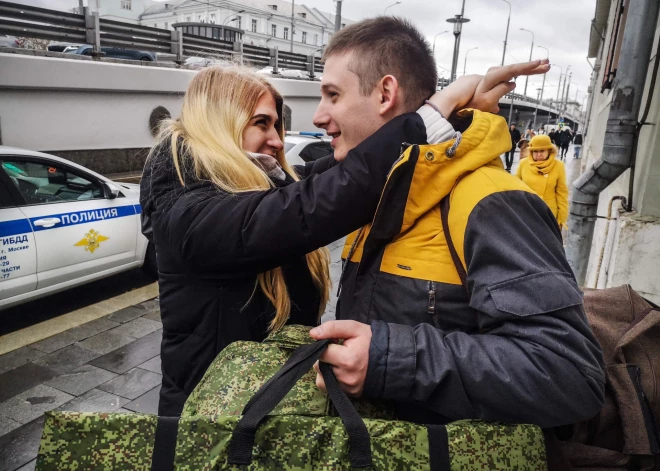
(548, 180)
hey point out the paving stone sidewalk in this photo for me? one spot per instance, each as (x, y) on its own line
(107, 365)
(111, 364)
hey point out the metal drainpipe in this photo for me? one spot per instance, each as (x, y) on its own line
(622, 121)
(607, 231)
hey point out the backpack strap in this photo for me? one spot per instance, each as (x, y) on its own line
(444, 215)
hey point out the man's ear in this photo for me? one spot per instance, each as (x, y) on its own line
(390, 95)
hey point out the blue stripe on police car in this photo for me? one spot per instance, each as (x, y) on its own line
(83, 217)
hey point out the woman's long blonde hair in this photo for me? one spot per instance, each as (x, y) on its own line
(208, 139)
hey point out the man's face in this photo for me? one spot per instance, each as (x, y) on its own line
(344, 113)
(513, 127)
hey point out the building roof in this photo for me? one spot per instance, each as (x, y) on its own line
(311, 15)
(598, 27)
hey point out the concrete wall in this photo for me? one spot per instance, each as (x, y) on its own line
(630, 251)
(633, 255)
(97, 112)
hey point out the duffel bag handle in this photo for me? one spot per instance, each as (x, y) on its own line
(276, 388)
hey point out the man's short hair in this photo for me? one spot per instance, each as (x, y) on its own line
(387, 45)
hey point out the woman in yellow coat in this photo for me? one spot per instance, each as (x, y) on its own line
(546, 175)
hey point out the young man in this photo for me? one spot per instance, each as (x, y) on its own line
(515, 346)
(515, 138)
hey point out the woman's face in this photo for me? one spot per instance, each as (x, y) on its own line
(539, 155)
(260, 135)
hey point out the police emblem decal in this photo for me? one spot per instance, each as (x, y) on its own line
(92, 241)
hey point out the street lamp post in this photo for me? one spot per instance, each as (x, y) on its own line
(458, 21)
(560, 76)
(436, 36)
(506, 36)
(466, 56)
(530, 57)
(338, 16)
(561, 102)
(542, 88)
(293, 5)
(227, 19)
(396, 3)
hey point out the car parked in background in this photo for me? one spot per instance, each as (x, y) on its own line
(56, 46)
(302, 147)
(114, 52)
(8, 41)
(62, 225)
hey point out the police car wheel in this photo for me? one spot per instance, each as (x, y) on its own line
(150, 267)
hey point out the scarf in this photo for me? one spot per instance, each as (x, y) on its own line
(269, 164)
(543, 167)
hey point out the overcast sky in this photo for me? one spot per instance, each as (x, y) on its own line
(562, 27)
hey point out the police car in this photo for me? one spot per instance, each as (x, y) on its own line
(301, 147)
(62, 225)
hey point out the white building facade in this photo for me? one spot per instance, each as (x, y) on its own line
(265, 23)
(128, 11)
(625, 248)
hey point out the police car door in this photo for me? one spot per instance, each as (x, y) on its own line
(80, 232)
(18, 254)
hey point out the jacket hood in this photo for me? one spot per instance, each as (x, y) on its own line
(160, 184)
(435, 172)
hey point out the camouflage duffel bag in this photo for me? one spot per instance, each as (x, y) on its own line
(261, 438)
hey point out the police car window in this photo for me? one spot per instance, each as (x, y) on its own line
(42, 183)
(315, 151)
(6, 200)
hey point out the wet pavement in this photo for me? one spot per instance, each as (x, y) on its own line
(107, 365)
(111, 364)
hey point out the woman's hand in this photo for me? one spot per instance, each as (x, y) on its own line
(484, 92)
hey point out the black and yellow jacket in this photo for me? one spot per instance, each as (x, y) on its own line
(517, 348)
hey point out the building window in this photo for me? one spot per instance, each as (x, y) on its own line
(126, 5)
(188, 19)
(166, 25)
(274, 7)
(286, 33)
(273, 31)
(316, 39)
(254, 26)
(155, 25)
(212, 18)
(239, 21)
(304, 39)
(200, 18)
(616, 41)
(303, 15)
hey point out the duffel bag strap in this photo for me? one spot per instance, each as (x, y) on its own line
(271, 393)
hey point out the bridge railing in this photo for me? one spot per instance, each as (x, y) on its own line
(33, 22)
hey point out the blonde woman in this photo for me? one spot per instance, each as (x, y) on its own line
(239, 240)
(546, 175)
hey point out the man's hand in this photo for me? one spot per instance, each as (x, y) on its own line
(484, 92)
(350, 360)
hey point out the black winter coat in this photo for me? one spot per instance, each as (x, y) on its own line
(211, 245)
(565, 138)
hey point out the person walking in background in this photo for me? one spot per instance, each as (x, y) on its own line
(544, 174)
(551, 135)
(565, 138)
(515, 138)
(523, 145)
(541, 131)
(577, 145)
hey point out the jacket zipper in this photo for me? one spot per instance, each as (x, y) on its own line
(359, 234)
(431, 308)
(431, 305)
